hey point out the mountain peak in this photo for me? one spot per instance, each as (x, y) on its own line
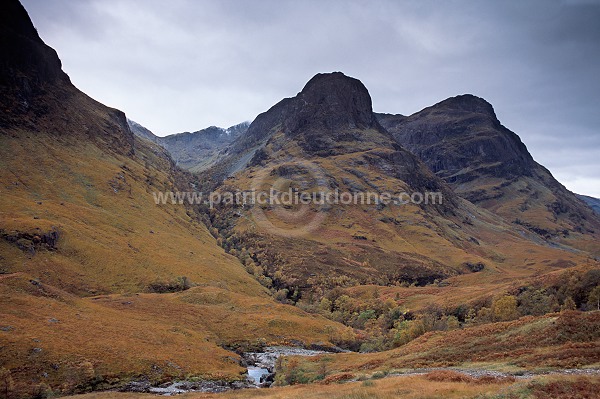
(331, 102)
(467, 103)
(332, 79)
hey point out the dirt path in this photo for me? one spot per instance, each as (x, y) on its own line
(476, 373)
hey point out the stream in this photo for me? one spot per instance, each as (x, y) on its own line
(260, 374)
(261, 365)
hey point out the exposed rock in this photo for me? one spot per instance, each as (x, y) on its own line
(32, 242)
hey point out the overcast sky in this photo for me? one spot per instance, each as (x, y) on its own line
(183, 65)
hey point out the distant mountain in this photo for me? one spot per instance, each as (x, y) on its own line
(594, 203)
(195, 151)
(463, 142)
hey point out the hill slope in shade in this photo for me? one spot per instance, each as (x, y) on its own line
(94, 276)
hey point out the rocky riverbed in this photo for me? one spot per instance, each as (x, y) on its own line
(261, 374)
(261, 365)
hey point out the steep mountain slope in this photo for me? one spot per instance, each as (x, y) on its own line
(194, 151)
(98, 284)
(462, 141)
(325, 139)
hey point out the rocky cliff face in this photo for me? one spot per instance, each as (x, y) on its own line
(331, 116)
(461, 139)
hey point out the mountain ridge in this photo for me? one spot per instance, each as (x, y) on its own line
(328, 125)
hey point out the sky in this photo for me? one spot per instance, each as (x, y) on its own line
(183, 65)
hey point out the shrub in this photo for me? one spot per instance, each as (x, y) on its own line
(505, 308)
(379, 375)
(179, 284)
(448, 376)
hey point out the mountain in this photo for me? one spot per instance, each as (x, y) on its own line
(463, 142)
(194, 151)
(99, 284)
(594, 203)
(328, 138)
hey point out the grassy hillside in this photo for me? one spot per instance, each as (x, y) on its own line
(114, 241)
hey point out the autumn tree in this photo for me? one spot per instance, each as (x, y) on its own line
(569, 304)
(505, 308)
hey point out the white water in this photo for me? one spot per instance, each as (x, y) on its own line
(255, 373)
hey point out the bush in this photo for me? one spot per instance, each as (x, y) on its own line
(179, 284)
(448, 376)
(379, 375)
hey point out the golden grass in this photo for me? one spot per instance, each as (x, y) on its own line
(411, 387)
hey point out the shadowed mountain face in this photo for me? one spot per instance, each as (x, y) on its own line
(331, 116)
(36, 93)
(462, 141)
